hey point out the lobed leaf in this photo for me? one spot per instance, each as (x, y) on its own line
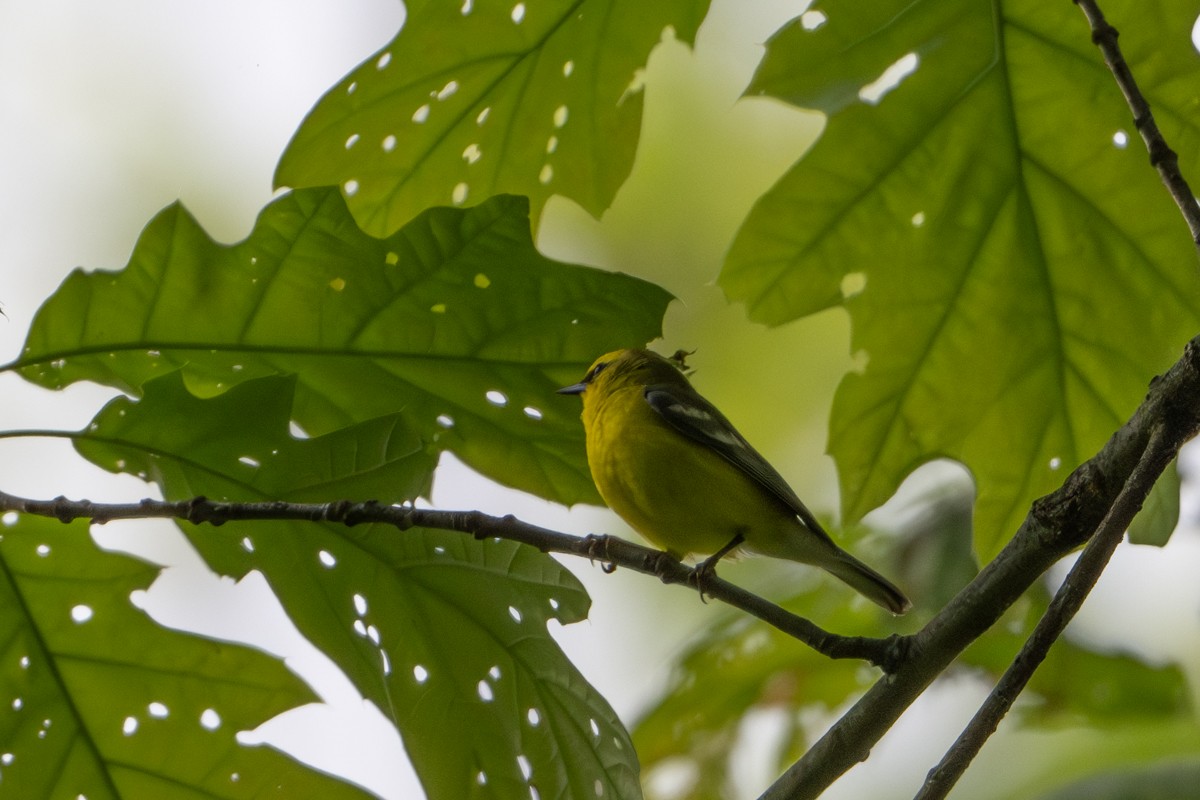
(456, 323)
(102, 702)
(446, 634)
(1014, 271)
(481, 97)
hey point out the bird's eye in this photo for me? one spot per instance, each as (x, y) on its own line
(594, 371)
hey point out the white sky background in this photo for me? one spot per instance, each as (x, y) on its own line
(111, 111)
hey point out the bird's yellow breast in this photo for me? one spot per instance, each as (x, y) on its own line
(677, 493)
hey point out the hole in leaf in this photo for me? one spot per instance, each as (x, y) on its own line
(353, 140)
(129, 726)
(892, 77)
(327, 559)
(472, 153)
(421, 114)
(811, 20)
(533, 413)
(383, 61)
(420, 674)
(560, 116)
(518, 13)
(485, 692)
(459, 195)
(1120, 140)
(526, 769)
(546, 175)
(350, 187)
(360, 605)
(568, 68)
(210, 720)
(157, 710)
(389, 143)
(81, 613)
(497, 398)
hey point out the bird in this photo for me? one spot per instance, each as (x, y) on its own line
(678, 472)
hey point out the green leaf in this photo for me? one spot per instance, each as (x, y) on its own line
(1155, 523)
(446, 634)
(456, 322)
(481, 97)
(1176, 779)
(1014, 275)
(102, 702)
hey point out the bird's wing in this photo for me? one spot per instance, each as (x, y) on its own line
(699, 420)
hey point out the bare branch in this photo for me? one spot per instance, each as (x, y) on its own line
(1062, 609)
(1162, 157)
(885, 653)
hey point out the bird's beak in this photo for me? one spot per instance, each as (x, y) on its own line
(575, 388)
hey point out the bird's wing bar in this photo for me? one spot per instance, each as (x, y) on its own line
(699, 420)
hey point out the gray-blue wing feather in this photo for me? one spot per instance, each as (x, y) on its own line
(687, 412)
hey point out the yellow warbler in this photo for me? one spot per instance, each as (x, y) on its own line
(673, 467)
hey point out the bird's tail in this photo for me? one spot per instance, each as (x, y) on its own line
(866, 581)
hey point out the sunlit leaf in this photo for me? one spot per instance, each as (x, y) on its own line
(100, 702)
(1014, 270)
(479, 97)
(446, 634)
(456, 322)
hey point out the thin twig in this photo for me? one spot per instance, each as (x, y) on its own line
(610, 550)
(1067, 601)
(1162, 156)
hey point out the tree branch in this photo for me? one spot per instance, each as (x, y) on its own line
(885, 653)
(1057, 524)
(1062, 609)
(1162, 157)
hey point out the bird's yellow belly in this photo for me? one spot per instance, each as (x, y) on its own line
(666, 493)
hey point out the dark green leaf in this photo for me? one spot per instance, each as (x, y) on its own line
(446, 634)
(480, 97)
(1015, 275)
(457, 323)
(101, 702)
